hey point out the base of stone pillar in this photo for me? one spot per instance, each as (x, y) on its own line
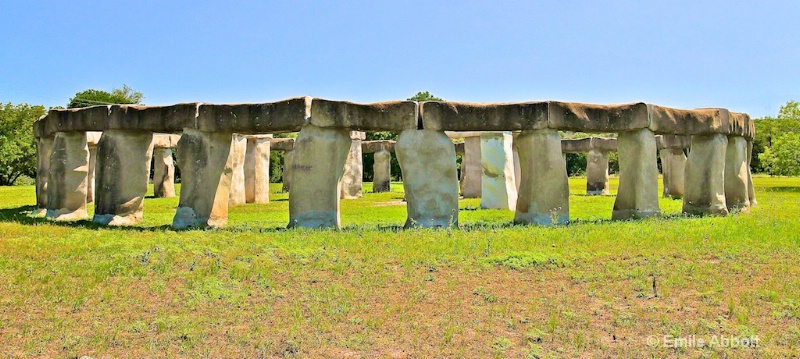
(600, 192)
(185, 217)
(632, 214)
(116, 220)
(66, 215)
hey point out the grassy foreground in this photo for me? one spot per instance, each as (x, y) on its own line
(488, 289)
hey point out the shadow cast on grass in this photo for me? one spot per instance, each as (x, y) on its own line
(23, 215)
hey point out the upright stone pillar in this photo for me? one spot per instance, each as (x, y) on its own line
(705, 175)
(122, 176)
(237, 194)
(498, 189)
(382, 171)
(44, 147)
(597, 173)
(67, 178)
(471, 167)
(256, 170)
(750, 189)
(352, 179)
(544, 187)
(517, 166)
(673, 164)
(163, 173)
(637, 196)
(206, 165)
(317, 168)
(288, 157)
(736, 175)
(90, 179)
(430, 178)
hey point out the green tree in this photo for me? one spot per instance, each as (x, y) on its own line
(783, 158)
(791, 110)
(17, 147)
(424, 96)
(92, 97)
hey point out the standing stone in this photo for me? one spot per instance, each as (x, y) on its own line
(317, 168)
(122, 174)
(637, 196)
(544, 187)
(430, 178)
(382, 171)
(237, 194)
(673, 164)
(67, 178)
(206, 165)
(256, 170)
(44, 147)
(471, 167)
(597, 173)
(352, 179)
(750, 189)
(498, 189)
(736, 175)
(163, 173)
(517, 167)
(288, 157)
(90, 180)
(705, 175)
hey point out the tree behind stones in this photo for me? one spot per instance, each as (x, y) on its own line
(17, 147)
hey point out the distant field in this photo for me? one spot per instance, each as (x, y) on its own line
(488, 289)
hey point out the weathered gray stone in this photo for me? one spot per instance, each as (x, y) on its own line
(462, 116)
(123, 169)
(381, 116)
(352, 179)
(288, 156)
(544, 189)
(281, 144)
(576, 145)
(459, 147)
(597, 173)
(736, 175)
(382, 171)
(705, 175)
(206, 168)
(84, 119)
(163, 173)
(670, 121)
(236, 193)
(375, 146)
(316, 175)
(163, 119)
(498, 188)
(673, 165)
(637, 196)
(750, 189)
(673, 142)
(253, 118)
(90, 180)
(44, 147)
(517, 168)
(162, 141)
(471, 167)
(567, 116)
(256, 170)
(430, 179)
(67, 178)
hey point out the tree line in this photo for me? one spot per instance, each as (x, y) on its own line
(776, 146)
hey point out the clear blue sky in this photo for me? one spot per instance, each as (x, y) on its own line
(742, 55)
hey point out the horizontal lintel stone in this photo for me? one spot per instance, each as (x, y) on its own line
(380, 116)
(463, 116)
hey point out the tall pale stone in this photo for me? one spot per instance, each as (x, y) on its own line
(673, 164)
(705, 175)
(236, 193)
(597, 173)
(471, 167)
(44, 147)
(498, 188)
(352, 179)
(206, 167)
(430, 179)
(517, 166)
(90, 180)
(637, 196)
(736, 175)
(544, 188)
(123, 159)
(750, 189)
(317, 168)
(288, 157)
(163, 173)
(67, 178)
(382, 171)
(256, 170)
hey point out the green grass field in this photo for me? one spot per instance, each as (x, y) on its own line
(488, 289)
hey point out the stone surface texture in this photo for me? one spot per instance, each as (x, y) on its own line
(737, 169)
(382, 172)
(353, 177)
(256, 170)
(236, 192)
(597, 173)
(498, 187)
(705, 176)
(68, 177)
(544, 189)
(637, 196)
(163, 173)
